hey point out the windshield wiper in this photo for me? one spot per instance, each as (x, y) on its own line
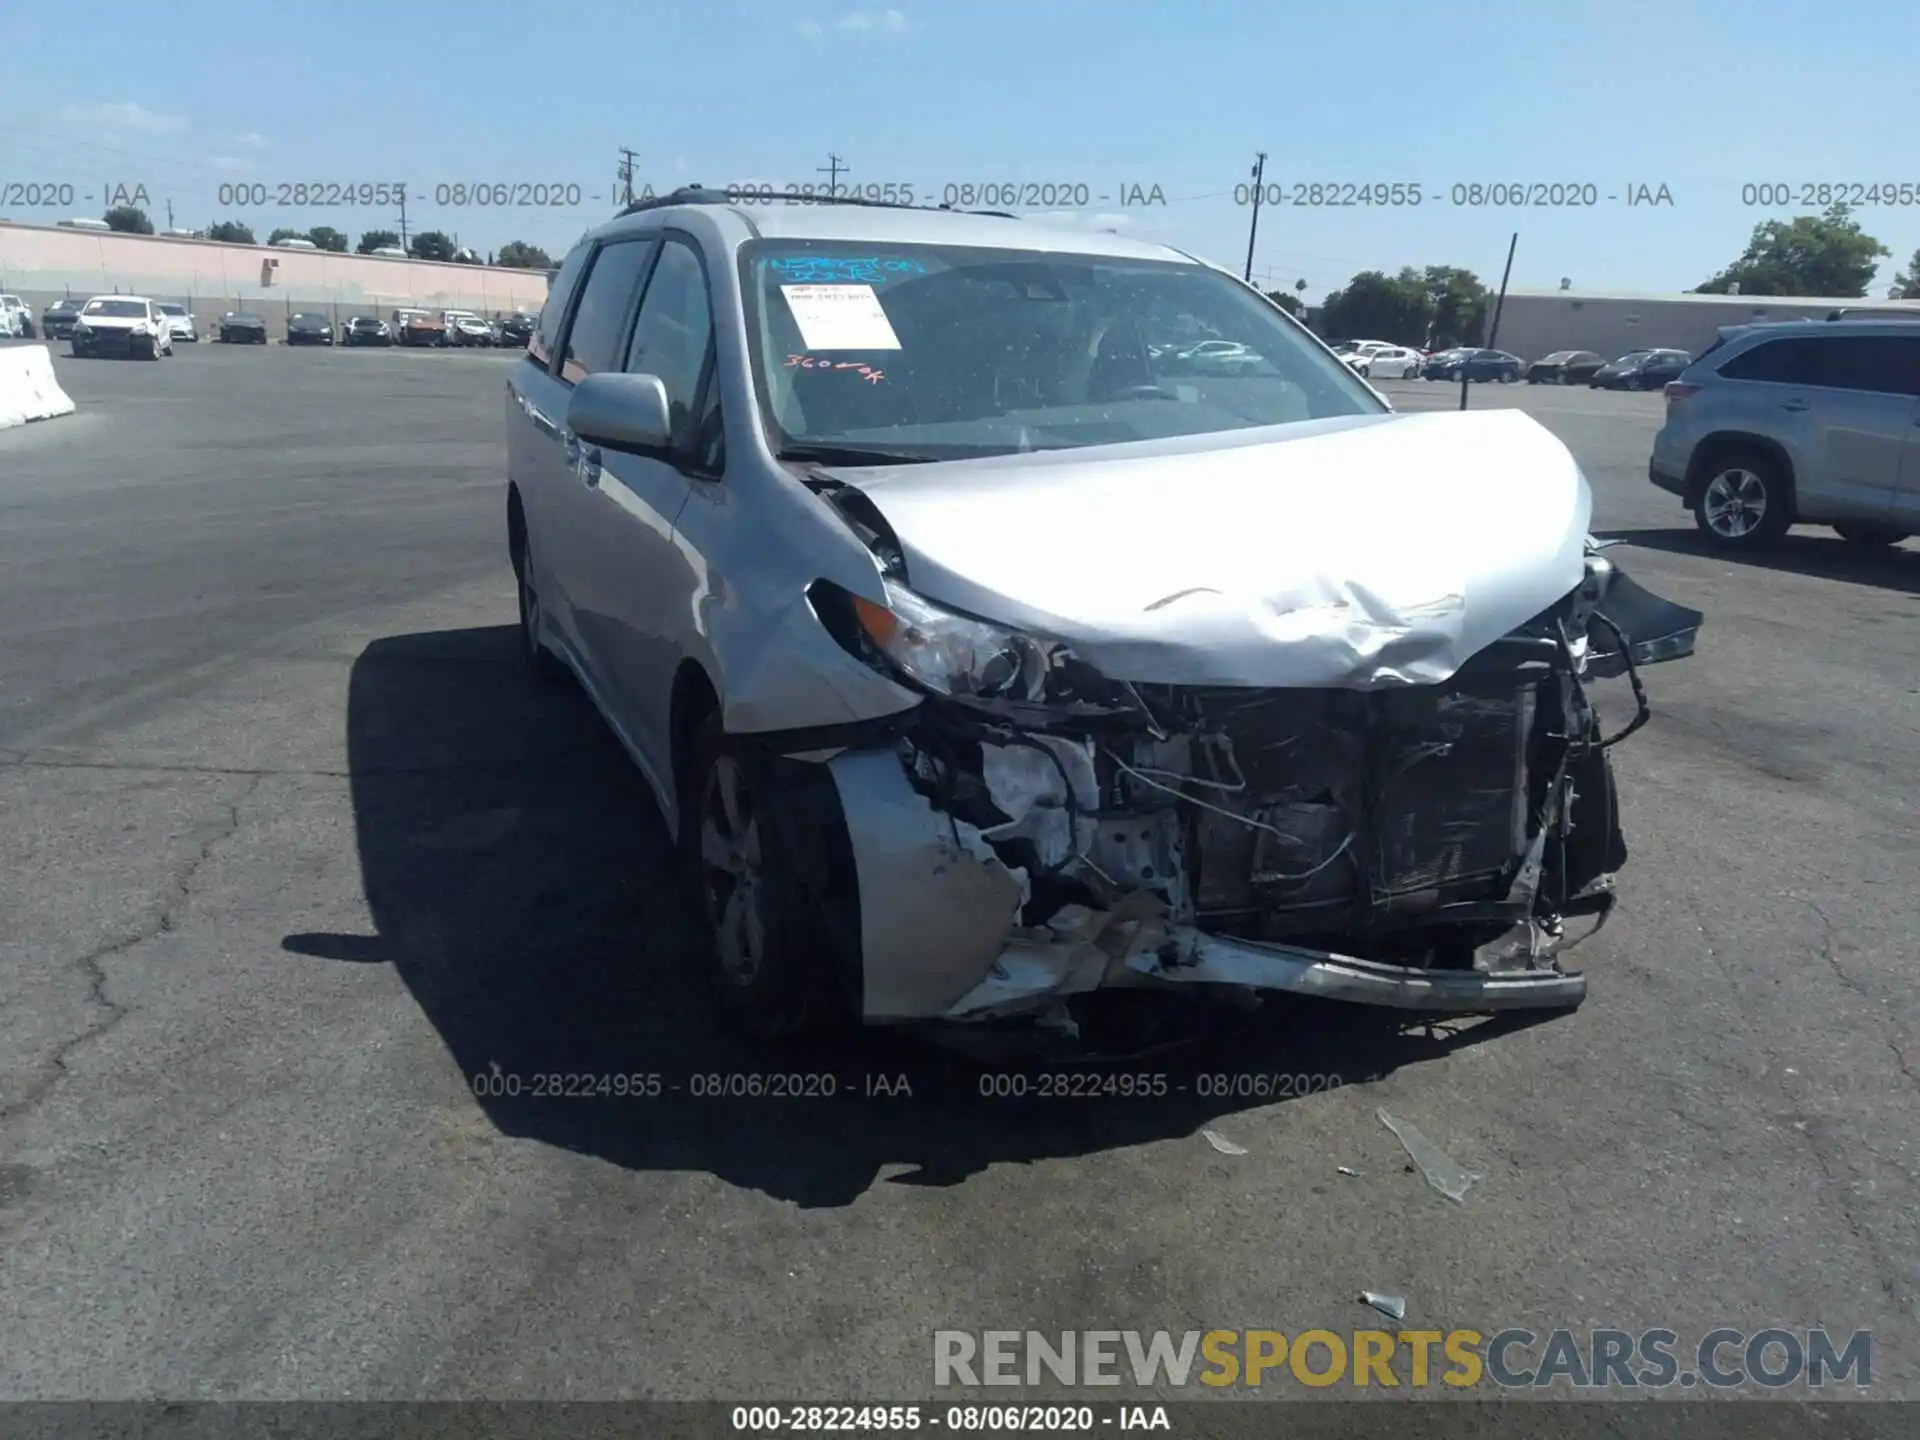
(849, 455)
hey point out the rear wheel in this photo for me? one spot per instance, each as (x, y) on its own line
(1744, 500)
(1858, 534)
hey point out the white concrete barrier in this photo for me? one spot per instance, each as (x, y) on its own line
(28, 388)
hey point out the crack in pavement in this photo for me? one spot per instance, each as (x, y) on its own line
(1829, 1161)
(179, 890)
(1851, 983)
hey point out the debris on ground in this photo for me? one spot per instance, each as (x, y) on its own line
(1443, 1173)
(1348, 1170)
(1390, 1305)
(1222, 1144)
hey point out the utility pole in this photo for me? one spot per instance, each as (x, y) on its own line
(403, 218)
(627, 157)
(169, 214)
(833, 169)
(1493, 321)
(1259, 189)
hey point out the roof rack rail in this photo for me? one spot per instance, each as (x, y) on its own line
(1874, 312)
(700, 195)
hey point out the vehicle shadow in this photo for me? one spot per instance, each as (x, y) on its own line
(517, 873)
(1817, 553)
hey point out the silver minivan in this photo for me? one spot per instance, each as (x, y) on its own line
(981, 653)
(1798, 423)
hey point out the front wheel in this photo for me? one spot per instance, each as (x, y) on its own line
(540, 661)
(1856, 533)
(1744, 501)
(757, 883)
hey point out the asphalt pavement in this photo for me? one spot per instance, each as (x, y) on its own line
(294, 862)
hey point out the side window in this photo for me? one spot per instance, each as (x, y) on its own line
(547, 333)
(1879, 364)
(1776, 362)
(673, 340)
(606, 306)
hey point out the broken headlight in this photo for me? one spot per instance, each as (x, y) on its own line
(952, 654)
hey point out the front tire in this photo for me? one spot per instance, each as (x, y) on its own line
(1855, 533)
(758, 888)
(542, 664)
(1744, 500)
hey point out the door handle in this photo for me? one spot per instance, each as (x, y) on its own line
(540, 420)
(1794, 405)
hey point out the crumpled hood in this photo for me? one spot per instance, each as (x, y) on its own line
(1363, 554)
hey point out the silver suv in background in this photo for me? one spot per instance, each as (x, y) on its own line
(1796, 423)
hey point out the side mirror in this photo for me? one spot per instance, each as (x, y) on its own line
(622, 412)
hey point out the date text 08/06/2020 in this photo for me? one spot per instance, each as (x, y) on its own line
(1319, 195)
(496, 1083)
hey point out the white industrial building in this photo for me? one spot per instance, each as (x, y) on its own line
(1538, 322)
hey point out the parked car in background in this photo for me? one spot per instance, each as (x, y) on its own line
(918, 769)
(1475, 364)
(367, 330)
(1387, 362)
(242, 327)
(517, 329)
(180, 321)
(122, 325)
(1564, 367)
(1608, 376)
(1217, 357)
(308, 329)
(1642, 370)
(464, 328)
(57, 319)
(417, 327)
(1785, 424)
(16, 317)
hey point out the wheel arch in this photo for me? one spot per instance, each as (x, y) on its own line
(695, 700)
(1718, 446)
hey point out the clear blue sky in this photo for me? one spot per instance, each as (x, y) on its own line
(1701, 96)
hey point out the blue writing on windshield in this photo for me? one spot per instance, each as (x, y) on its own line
(843, 269)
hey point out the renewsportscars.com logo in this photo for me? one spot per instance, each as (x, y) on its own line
(1512, 1359)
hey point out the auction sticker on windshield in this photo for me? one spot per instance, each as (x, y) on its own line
(840, 317)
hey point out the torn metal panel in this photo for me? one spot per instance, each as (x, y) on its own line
(933, 916)
(1358, 556)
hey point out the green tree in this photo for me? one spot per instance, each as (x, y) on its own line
(1826, 255)
(328, 238)
(129, 220)
(1459, 304)
(1285, 300)
(1906, 284)
(284, 233)
(1376, 306)
(519, 255)
(231, 231)
(432, 245)
(374, 240)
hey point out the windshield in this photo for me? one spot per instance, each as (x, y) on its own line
(117, 309)
(173, 309)
(245, 317)
(941, 352)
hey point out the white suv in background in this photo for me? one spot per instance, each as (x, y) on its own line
(180, 322)
(16, 320)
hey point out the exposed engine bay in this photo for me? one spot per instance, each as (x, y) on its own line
(1418, 846)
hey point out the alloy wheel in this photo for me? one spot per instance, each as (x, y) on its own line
(732, 877)
(1735, 503)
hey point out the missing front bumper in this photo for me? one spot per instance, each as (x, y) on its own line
(941, 937)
